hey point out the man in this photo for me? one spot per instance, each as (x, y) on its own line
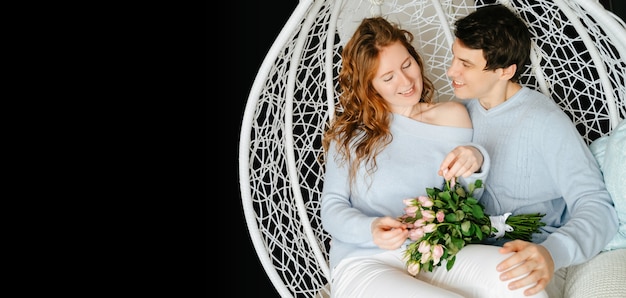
(539, 162)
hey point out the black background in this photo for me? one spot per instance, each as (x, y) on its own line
(259, 25)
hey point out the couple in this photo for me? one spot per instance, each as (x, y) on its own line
(391, 141)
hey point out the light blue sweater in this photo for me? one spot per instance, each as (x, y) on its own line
(406, 167)
(540, 163)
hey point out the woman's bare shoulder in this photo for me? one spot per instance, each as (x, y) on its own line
(450, 113)
(450, 105)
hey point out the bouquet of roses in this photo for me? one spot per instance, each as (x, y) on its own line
(446, 220)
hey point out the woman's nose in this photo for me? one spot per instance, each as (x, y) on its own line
(404, 78)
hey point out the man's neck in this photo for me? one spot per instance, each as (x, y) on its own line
(500, 96)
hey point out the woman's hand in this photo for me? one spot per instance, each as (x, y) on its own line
(389, 233)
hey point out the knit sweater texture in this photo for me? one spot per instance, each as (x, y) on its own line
(540, 163)
(406, 167)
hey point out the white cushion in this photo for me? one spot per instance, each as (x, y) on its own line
(610, 152)
(603, 276)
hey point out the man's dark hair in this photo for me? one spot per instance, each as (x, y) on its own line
(500, 33)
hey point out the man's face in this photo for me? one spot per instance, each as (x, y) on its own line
(469, 79)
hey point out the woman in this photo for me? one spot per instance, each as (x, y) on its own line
(385, 145)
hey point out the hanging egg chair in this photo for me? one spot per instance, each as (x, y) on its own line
(578, 59)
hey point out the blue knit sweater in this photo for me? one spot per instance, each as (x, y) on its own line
(540, 163)
(406, 167)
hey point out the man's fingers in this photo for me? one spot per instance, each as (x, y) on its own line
(540, 286)
(448, 162)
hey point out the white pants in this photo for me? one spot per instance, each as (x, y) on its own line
(384, 275)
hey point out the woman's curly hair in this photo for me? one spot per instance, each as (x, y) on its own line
(361, 126)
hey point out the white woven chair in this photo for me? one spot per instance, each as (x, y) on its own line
(578, 59)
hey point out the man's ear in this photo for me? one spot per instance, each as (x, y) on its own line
(508, 72)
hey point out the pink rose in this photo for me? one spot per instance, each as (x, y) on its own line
(416, 234)
(440, 216)
(409, 202)
(428, 215)
(425, 257)
(419, 223)
(425, 201)
(414, 268)
(424, 247)
(410, 210)
(437, 253)
(429, 228)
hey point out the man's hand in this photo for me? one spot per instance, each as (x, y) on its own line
(389, 233)
(530, 260)
(461, 162)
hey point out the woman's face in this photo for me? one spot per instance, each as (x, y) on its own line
(398, 78)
